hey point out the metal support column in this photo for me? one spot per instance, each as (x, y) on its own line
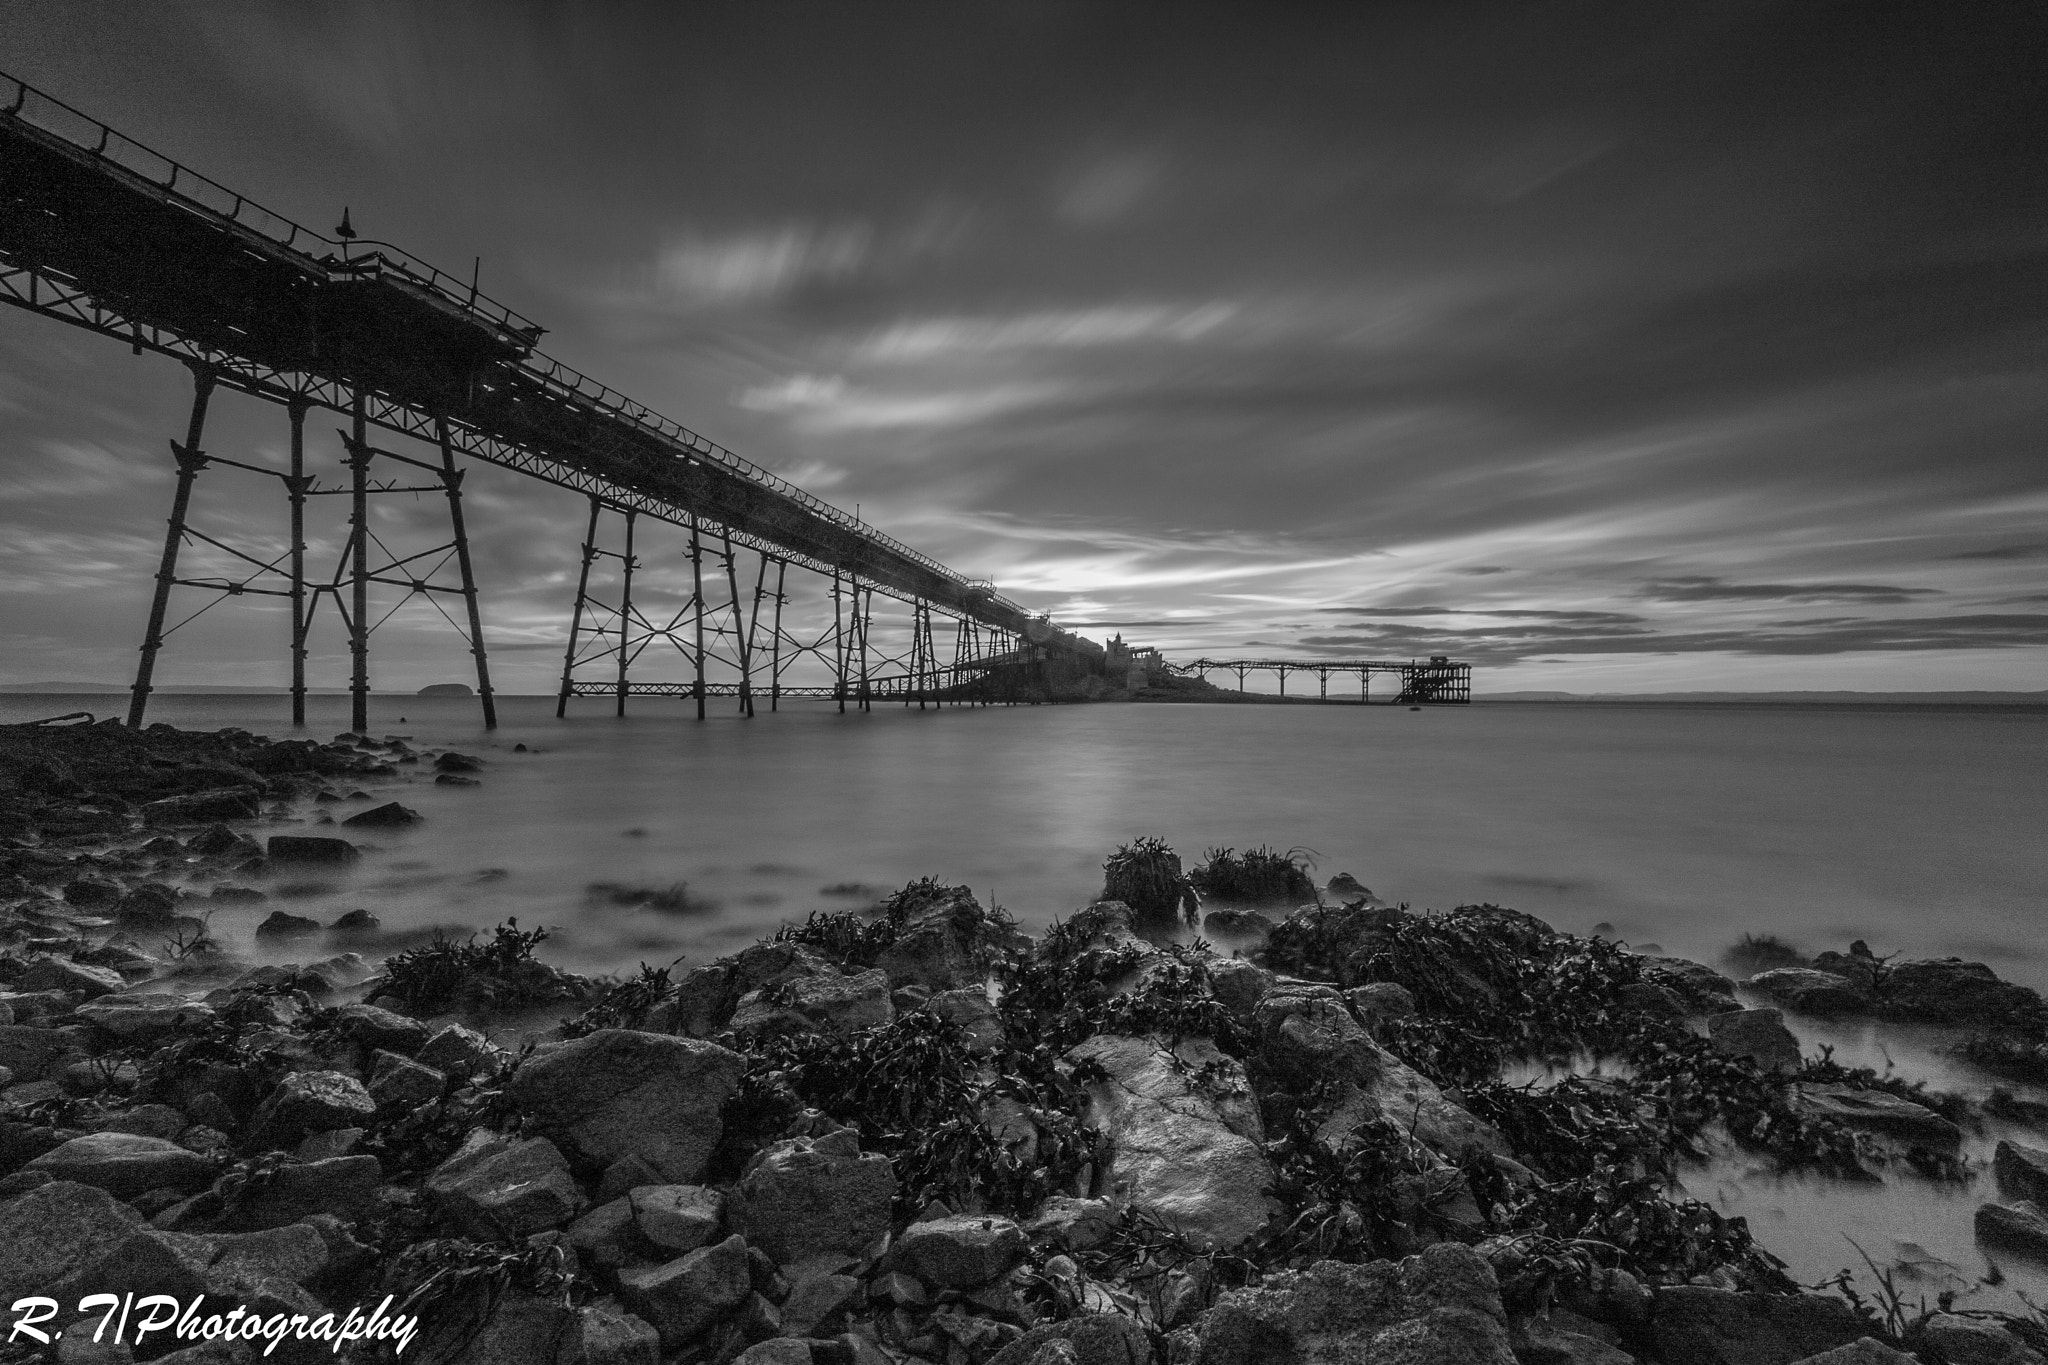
(359, 593)
(452, 477)
(839, 649)
(1323, 684)
(697, 601)
(625, 616)
(742, 643)
(190, 461)
(863, 616)
(775, 642)
(576, 620)
(296, 485)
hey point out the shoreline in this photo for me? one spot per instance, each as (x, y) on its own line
(1345, 1047)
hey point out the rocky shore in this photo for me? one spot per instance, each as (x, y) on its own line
(916, 1135)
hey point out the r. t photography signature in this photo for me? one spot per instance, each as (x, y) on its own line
(134, 1319)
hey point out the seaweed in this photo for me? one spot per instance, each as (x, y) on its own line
(1145, 874)
(630, 1004)
(447, 975)
(1258, 876)
(1762, 953)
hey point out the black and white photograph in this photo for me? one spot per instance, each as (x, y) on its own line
(1023, 682)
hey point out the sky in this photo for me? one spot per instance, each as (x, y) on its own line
(1609, 347)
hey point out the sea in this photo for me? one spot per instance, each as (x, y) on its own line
(1677, 828)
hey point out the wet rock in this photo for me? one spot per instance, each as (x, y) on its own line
(1439, 1308)
(125, 1164)
(149, 906)
(2022, 1171)
(1239, 985)
(1695, 1325)
(969, 1010)
(308, 1102)
(328, 1145)
(1876, 1111)
(283, 925)
(1085, 1339)
(1344, 886)
(776, 1351)
(346, 1186)
(960, 1251)
(2019, 1226)
(1951, 991)
(828, 1000)
(390, 815)
(604, 1236)
(1862, 1351)
(1957, 1340)
(944, 940)
(314, 850)
(807, 1200)
(58, 974)
(144, 1120)
(819, 1303)
(199, 808)
(502, 1187)
(677, 1218)
(92, 893)
(1759, 1035)
(1072, 1224)
(357, 922)
(375, 1027)
(527, 1330)
(1548, 1342)
(1237, 924)
(1381, 1002)
(684, 1296)
(1186, 1143)
(459, 1051)
(452, 762)
(618, 1091)
(30, 1052)
(399, 1083)
(218, 841)
(1806, 991)
(50, 1232)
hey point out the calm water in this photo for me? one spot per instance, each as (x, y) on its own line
(1918, 829)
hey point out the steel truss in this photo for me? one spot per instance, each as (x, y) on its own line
(1438, 681)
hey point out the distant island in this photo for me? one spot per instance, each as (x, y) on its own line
(446, 690)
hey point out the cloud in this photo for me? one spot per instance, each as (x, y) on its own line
(70, 469)
(1478, 570)
(2032, 551)
(1109, 325)
(1607, 617)
(827, 404)
(1109, 189)
(759, 265)
(1701, 588)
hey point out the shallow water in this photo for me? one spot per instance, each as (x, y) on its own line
(1918, 829)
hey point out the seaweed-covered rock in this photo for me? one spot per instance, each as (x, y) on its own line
(1697, 1325)
(1185, 1137)
(1439, 1308)
(943, 939)
(455, 1049)
(617, 1092)
(813, 1200)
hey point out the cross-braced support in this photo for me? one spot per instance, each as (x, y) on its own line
(190, 461)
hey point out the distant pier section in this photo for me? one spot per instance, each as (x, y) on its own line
(1438, 682)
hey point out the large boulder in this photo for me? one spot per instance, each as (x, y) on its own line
(1698, 1325)
(1085, 1339)
(56, 1231)
(944, 939)
(813, 1202)
(125, 1164)
(1704, 990)
(346, 1186)
(620, 1092)
(676, 1218)
(684, 1296)
(526, 1330)
(1185, 1137)
(1876, 1111)
(498, 1187)
(308, 1102)
(146, 1017)
(1759, 1035)
(1957, 1340)
(314, 850)
(2019, 1227)
(1806, 991)
(201, 808)
(1951, 991)
(826, 1001)
(1439, 1308)
(2022, 1171)
(960, 1251)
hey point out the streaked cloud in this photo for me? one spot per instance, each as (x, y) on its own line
(930, 338)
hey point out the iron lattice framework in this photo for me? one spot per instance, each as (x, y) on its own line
(100, 232)
(1437, 681)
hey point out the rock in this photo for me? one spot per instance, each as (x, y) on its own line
(2020, 1227)
(375, 1027)
(1085, 1339)
(813, 1200)
(1695, 1325)
(1381, 1002)
(1862, 1351)
(346, 1186)
(459, 1051)
(618, 1091)
(218, 841)
(1346, 887)
(829, 1000)
(2022, 1171)
(1237, 924)
(1439, 1308)
(1876, 1111)
(1308, 1034)
(684, 1296)
(326, 1146)
(1957, 1340)
(126, 1164)
(283, 925)
(1951, 991)
(526, 1330)
(399, 1083)
(624, 1176)
(221, 803)
(92, 893)
(960, 1251)
(452, 762)
(390, 815)
(604, 1236)
(58, 974)
(308, 1102)
(1759, 1035)
(151, 905)
(144, 1120)
(1073, 1224)
(970, 1010)
(50, 1233)
(776, 1351)
(1239, 985)
(819, 1302)
(499, 1187)
(1806, 991)
(357, 923)
(1187, 1149)
(677, 1218)
(943, 941)
(146, 1018)
(311, 850)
